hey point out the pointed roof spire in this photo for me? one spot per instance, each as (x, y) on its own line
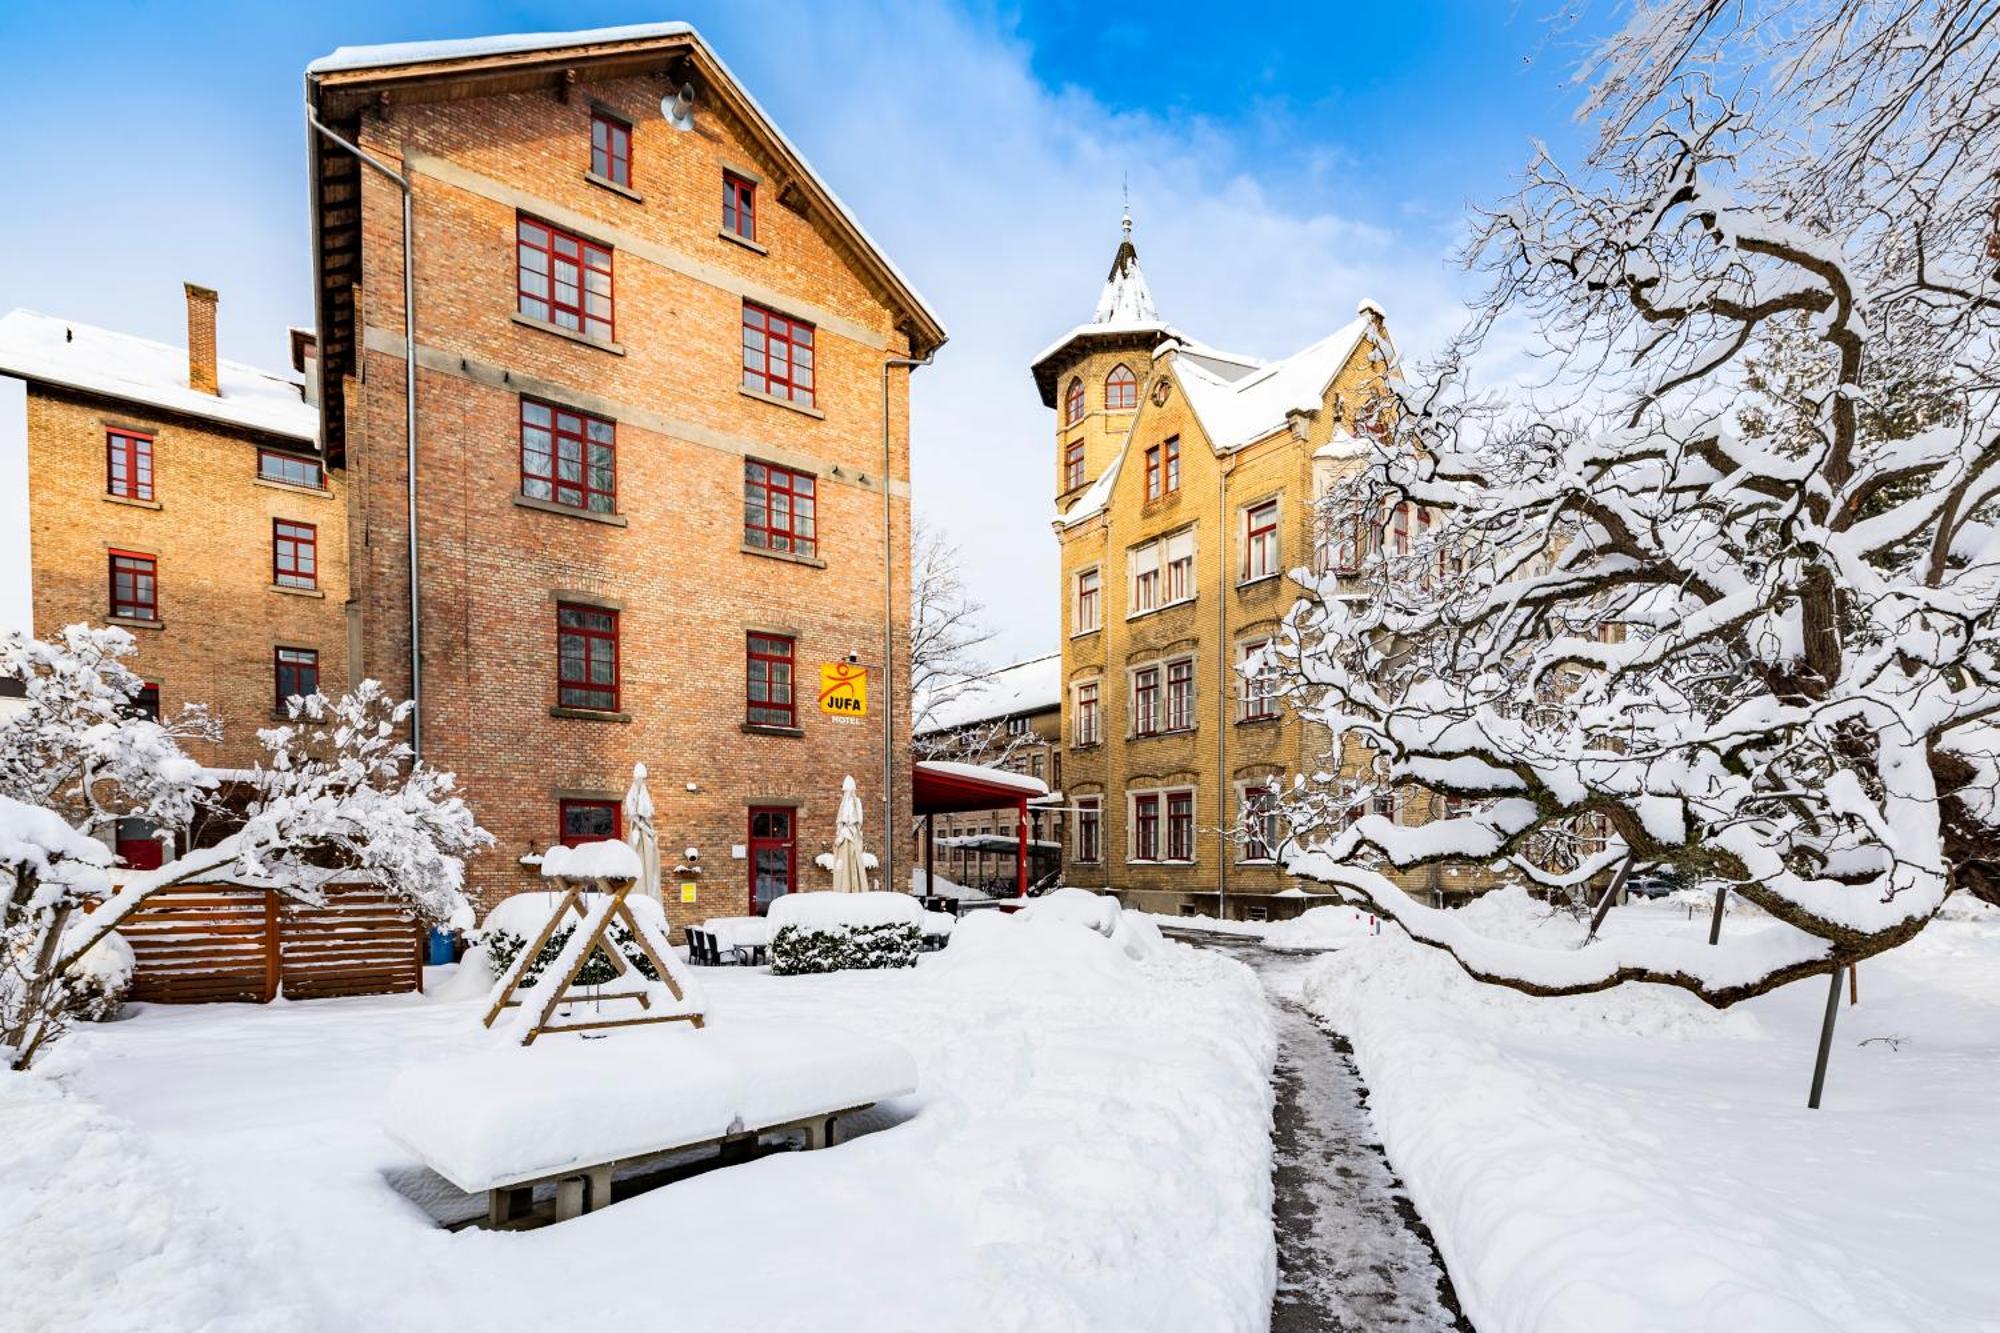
(1126, 299)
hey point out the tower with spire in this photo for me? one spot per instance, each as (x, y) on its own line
(1092, 376)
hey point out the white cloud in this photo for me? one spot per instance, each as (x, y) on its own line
(1000, 196)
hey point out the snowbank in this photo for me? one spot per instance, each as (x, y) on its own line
(605, 859)
(1638, 1160)
(828, 911)
(1322, 928)
(1130, 931)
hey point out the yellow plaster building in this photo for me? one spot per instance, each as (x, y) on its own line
(1185, 486)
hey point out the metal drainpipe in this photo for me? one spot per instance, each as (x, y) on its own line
(409, 419)
(1224, 662)
(889, 830)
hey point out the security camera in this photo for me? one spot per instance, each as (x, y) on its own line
(852, 658)
(693, 853)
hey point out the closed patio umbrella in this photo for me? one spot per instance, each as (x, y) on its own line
(849, 874)
(639, 832)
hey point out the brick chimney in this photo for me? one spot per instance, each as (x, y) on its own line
(201, 338)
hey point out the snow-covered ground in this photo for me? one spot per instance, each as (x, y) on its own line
(1636, 1160)
(1088, 1150)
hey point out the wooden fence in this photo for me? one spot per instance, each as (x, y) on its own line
(212, 942)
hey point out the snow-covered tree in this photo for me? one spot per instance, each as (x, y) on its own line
(1726, 593)
(337, 791)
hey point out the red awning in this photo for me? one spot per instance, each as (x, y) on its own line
(941, 788)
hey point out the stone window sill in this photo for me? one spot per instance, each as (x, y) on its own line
(320, 492)
(528, 322)
(1168, 606)
(129, 500)
(133, 622)
(1161, 734)
(776, 401)
(297, 592)
(1261, 720)
(758, 729)
(1086, 745)
(792, 556)
(588, 714)
(1086, 633)
(743, 241)
(568, 511)
(1243, 585)
(606, 183)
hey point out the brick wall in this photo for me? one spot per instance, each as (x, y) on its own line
(673, 564)
(209, 526)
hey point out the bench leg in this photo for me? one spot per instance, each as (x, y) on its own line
(569, 1198)
(827, 1142)
(507, 1204)
(599, 1192)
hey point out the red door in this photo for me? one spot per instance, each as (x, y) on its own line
(773, 856)
(137, 845)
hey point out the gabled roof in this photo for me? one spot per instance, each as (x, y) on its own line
(340, 84)
(70, 355)
(1033, 686)
(1239, 409)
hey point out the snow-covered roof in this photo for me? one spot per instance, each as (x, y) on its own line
(1032, 686)
(1096, 496)
(350, 58)
(1124, 305)
(49, 350)
(999, 777)
(1236, 410)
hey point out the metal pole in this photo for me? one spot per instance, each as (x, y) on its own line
(409, 417)
(889, 830)
(1825, 1037)
(1226, 661)
(1715, 921)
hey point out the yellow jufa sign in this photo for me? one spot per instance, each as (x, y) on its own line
(843, 689)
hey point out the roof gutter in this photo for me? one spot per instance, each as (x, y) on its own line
(409, 396)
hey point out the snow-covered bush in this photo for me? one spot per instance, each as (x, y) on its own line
(1729, 603)
(97, 983)
(337, 792)
(504, 946)
(798, 950)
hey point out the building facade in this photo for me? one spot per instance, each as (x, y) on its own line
(1010, 719)
(656, 503)
(181, 498)
(1186, 481)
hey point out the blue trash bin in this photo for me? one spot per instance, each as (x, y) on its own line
(443, 948)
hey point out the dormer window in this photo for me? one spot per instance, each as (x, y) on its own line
(611, 148)
(1073, 403)
(1121, 390)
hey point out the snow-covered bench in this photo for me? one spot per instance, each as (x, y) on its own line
(507, 1118)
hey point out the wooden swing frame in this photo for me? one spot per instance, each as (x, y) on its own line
(599, 941)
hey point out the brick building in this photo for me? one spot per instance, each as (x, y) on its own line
(1010, 719)
(181, 497)
(1185, 481)
(654, 355)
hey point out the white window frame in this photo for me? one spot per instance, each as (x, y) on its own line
(1243, 789)
(1093, 805)
(1163, 795)
(1253, 570)
(1132, 675)
(1245, 684)
(1142, 571)
(1167, 665)
(1178, 556)
(1094, 734)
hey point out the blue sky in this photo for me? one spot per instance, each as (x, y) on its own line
(1282, 166)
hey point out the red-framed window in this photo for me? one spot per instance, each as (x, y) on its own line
(138, 843)
(289, 469)
(1260, 540)
(144, 703)
(1260, 824)
(135, 586)
(1121, 389)
(128, 464)
(768, 695)
(1088, 719)
(578, 822)
(564, 280)
(1073, 403)
(611, 148)
(1180, 695)
(1073, 465)
(1260, 688)
(1146, 827)
(1153, 472)
(1171, 453)
(294, 554)
(1146, 701)
(777, 354)
(1089, 600)
(780, 508)
(1089, 829)
(739, 206)
(774, 855)
(1180, 826)
(586, 657)
(568, 457)
(294, 673)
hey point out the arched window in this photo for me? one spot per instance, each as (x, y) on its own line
(1073, 403)
(1121, 389)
